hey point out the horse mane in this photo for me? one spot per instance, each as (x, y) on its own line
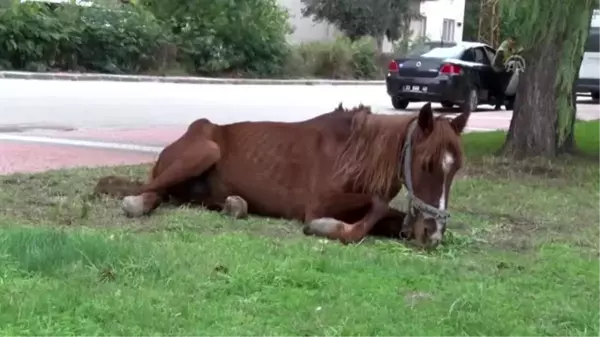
(365, 109)
(341, 111)
(371, 156)
(338, 122)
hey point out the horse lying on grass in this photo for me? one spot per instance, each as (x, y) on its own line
(336, 172)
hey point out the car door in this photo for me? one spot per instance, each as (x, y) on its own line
(478, 70)
(471, 68)
(483, 56)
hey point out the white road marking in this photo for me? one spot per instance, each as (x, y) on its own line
(82, 143)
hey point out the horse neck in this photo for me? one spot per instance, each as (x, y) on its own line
(370, 159)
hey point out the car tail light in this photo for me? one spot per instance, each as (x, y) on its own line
(393, 66)
(450, 69)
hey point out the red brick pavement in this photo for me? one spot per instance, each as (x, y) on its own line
(29, 157)
(152, 136)
(33, 157)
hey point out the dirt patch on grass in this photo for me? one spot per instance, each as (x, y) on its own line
(61, 197)
(507, 205)
(65, 198)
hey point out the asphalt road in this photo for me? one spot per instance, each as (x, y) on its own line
(125, 104)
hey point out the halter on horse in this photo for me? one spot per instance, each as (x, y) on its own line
(439, 215)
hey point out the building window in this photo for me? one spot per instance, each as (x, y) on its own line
(448, 30)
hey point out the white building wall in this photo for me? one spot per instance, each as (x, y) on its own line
(435, 11)
(305, 29)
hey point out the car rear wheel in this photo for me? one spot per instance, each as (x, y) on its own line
(471, 101)
(399, 103)
(595, 95)
(447, 104)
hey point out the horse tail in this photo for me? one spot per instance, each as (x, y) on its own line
(117, 186)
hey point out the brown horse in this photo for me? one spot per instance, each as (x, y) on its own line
(336, 172)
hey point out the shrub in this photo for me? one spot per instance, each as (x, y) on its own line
(119, 41)
(339, 59)
(38, 36)
(222, 36)
(364, 59)
(30, 37)
(207, 37)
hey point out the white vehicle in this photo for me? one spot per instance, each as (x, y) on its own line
(589, 73)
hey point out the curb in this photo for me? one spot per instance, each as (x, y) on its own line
(176, 79)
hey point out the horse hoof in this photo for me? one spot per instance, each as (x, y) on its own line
(133, 206)
(324, 227)
(236, 207)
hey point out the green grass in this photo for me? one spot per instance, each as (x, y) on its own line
(521, 258)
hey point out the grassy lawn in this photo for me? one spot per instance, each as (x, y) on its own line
(521, 258)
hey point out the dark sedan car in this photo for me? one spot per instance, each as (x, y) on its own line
(450, 74)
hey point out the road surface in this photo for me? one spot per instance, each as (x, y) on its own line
(54, 124)
(125, 104)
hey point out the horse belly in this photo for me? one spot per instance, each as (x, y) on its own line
(265, 197)
(273, 166)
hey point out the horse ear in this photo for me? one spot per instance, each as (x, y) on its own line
(460, 121)
(340, 107)
(426, 118)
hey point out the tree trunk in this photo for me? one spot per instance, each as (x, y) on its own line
(543, 121)
(569, 145)
(379, 41)
(532, 130)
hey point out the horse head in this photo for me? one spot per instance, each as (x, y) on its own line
(431, 155)
(423, 152)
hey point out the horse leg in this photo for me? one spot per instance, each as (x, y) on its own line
(392, 226)
(193, 161)
(327, 219)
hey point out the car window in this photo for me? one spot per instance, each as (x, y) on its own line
(480, 56)
(445, 52)
(490, 53)
(468, 56)
(422, 48)
(419, 50)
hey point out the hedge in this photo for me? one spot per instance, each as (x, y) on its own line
(208, 37)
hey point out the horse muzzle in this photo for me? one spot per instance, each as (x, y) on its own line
(427, 232)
